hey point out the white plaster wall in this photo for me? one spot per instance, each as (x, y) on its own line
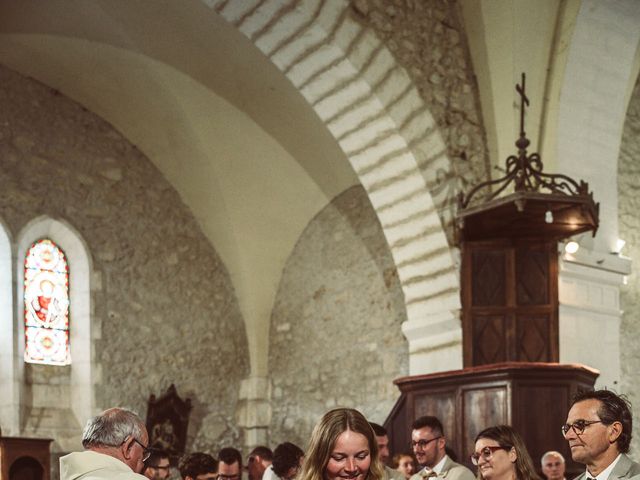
(590, 314)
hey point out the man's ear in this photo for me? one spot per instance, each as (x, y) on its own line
(615, 430)
(126, 447)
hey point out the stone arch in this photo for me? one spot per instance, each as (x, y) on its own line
(8, 356)
(600, 67)
(373, 110)
(82, 369)
(597, 78)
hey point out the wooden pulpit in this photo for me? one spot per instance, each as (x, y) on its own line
(25, 458)
(533, 397)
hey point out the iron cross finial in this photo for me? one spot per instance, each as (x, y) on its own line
(523, 101)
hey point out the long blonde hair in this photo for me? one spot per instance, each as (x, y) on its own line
(324, 437)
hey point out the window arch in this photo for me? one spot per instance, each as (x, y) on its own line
(46, 304)
(84, 372)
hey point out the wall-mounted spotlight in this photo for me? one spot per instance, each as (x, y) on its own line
(619, 246)
(571, 247)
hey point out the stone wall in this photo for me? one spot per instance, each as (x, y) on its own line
(428, 40)
(629, 224)
(335, 328)
(164, 309)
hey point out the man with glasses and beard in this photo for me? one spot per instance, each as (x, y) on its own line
(428, 444)
(598, 429)
(116, 446)
(158, 465)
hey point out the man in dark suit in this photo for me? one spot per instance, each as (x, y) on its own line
(429, 444)
(598, 429)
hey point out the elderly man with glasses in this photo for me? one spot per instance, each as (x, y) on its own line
(429, 443)
(598, 429)
(116, 446)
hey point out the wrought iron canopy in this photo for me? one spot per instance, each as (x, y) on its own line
(540, 206)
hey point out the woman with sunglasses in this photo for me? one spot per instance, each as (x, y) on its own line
(342, 447)
(500, 454)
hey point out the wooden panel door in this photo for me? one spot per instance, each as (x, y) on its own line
(509, 302)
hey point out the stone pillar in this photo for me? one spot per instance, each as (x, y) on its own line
(9, 356)
(435, 343)
(589, 311)
(254, 411)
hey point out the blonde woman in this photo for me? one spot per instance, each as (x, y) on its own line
(342, 447)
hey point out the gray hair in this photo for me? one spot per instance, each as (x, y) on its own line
(549, 453)
(111, 428)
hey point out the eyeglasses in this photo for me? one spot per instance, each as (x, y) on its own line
(486, 453)
(578, 426)
(228, 477)
(146, 451)
(423, 443)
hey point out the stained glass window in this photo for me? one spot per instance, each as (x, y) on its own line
(46, 304)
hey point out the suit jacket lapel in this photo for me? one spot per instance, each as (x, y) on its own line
(622, 467)
(446, 467)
